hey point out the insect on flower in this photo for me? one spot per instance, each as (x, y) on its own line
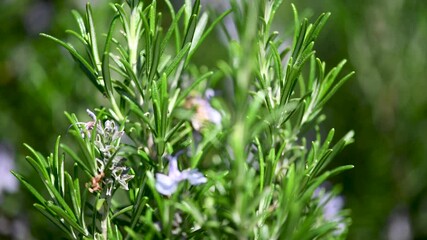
(204, 112)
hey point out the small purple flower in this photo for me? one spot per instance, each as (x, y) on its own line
(7, 162)
(229, 32)
(88, 126)
(399, 225)
(167, 184)
(331, 208)
(204, 112)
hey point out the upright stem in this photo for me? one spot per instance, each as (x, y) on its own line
(116, 109)
(104, 220)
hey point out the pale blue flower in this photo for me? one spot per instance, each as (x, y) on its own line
(167, 184)
(399, 225)
(8, 183)
(204, 113)
(331, 207)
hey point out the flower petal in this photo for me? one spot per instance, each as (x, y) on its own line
(165, 185)
(195, 177)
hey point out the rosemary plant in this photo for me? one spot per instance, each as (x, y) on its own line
(167, 158)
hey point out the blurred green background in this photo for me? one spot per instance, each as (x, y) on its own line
(386, 104)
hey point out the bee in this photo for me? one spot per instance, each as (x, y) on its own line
(204, 112)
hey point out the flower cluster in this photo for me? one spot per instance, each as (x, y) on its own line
(110, 166)
(167, 184)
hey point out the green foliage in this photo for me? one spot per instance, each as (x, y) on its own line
(258, 176)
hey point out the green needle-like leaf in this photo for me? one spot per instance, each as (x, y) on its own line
(30, 188)
(84, 65)
(106, 59)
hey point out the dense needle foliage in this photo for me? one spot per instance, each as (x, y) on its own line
(169, 156)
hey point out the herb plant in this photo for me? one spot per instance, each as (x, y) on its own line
(168, 157)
